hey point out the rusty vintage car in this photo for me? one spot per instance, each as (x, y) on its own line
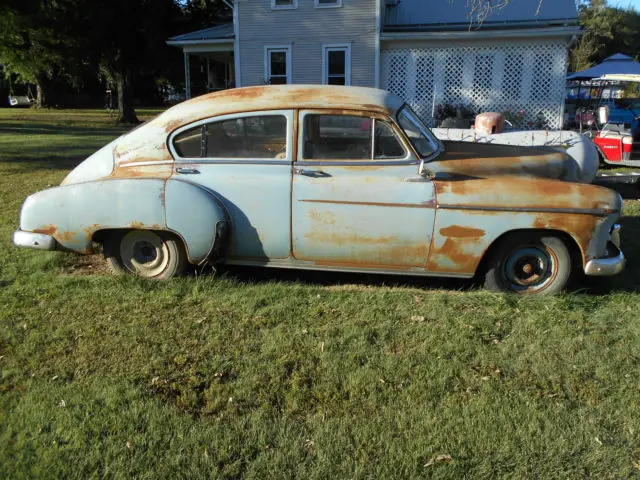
(329, 178)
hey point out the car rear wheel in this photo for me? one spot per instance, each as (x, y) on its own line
(145, 253)
(529, 263)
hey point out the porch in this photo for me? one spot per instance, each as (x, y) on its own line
(209, 59)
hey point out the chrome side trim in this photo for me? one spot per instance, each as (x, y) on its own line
(303, 265)
(140, 164)
(583, 211)
(361, 163)
(239, 161)
(39, 241)
(428, 204)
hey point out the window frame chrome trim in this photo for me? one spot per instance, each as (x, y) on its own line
(429, 135)
(287, 113)
(408, 159)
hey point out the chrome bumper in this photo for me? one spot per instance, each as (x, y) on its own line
(613, 263)
(39, 241)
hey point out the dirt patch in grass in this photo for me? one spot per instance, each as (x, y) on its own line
(88, 265)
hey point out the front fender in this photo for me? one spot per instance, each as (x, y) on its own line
(72, 214)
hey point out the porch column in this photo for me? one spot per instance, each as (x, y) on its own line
(187, 76)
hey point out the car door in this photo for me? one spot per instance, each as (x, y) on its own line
(357, 199)
(245, 160)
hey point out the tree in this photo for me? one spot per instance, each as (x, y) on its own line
(70, 39)
(606, 30)
(127, 38)
(36, 43)
(199, 14)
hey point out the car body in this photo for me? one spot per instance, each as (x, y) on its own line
(327, 178)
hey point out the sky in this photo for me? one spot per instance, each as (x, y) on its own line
(625, 3)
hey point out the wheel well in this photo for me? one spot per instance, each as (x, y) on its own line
(574, 249)
(100, 236)
(602, 160)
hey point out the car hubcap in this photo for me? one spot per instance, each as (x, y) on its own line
(529, 269)
(144, 253)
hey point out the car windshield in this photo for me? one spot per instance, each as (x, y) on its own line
(425, 143)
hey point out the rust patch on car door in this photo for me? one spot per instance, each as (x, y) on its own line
(457, 231)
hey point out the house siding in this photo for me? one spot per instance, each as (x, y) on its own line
(306, 29)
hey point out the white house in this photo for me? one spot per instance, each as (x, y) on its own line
(426, 51)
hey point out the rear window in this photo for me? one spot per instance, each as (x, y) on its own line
(254, 137)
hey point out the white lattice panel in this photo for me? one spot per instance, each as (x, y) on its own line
(527, 78)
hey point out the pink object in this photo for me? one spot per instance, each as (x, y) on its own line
(489, 122)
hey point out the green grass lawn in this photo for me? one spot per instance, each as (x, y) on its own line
(274, 374)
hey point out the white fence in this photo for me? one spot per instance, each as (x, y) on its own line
(527, 80)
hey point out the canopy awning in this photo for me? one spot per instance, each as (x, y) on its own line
(619, 66)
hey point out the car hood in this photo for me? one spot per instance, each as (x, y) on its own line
(525, 194)
(481, 160)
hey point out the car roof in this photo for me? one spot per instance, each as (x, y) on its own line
(278, 97)
(148, 143)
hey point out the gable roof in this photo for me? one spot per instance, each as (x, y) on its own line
(219, 33)
(454, 14)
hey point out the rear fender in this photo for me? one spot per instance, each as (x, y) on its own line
(73, 214)
(200, 219)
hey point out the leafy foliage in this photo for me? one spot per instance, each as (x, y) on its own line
(607, 30)
(38, 41)
(122, 42)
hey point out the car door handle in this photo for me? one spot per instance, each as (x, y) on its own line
(310, 173)
(187, 171)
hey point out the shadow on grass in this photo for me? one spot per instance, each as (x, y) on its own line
(71, 158)
(629, 279)
(258, 275)
(62, 130)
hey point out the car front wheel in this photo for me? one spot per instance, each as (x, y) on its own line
(529, 263)
(145, 253)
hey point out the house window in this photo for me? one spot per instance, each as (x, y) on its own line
(277, 65)
(328, 3)
(336, 64)
(283, 4)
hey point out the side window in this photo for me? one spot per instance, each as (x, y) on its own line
(386, 143)
(348, 137)
(188, 144)
(337, 137)
(255, 137)
(247, 137)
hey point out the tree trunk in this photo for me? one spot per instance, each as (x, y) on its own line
(126, 112)
(43, 86)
